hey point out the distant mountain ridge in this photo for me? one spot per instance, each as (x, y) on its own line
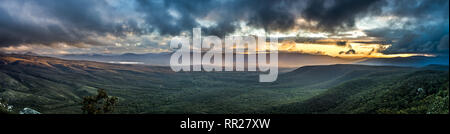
(160, 59)
(414, 61)
(285, 59)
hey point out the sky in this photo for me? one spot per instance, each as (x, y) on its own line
(338, 28)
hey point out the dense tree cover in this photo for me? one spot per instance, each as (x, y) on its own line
(99, 104)
(421, 92)
(417, 93)
(5, 108)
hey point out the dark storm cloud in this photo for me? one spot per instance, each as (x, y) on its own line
(270, 15)
(273, 15)
(426, 30)
(267, 14)
(419, 8)
(158, 16)
(340, 15)
(423, 39)
(49, 21)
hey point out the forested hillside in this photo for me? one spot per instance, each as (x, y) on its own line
(419, 92)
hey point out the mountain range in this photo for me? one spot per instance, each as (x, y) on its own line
(285, 60)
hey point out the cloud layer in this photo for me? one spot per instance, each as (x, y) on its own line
(415, 25)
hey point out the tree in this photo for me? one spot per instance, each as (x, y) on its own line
(99, 104)
(5, 108)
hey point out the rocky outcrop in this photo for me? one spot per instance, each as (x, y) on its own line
(29, 111)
